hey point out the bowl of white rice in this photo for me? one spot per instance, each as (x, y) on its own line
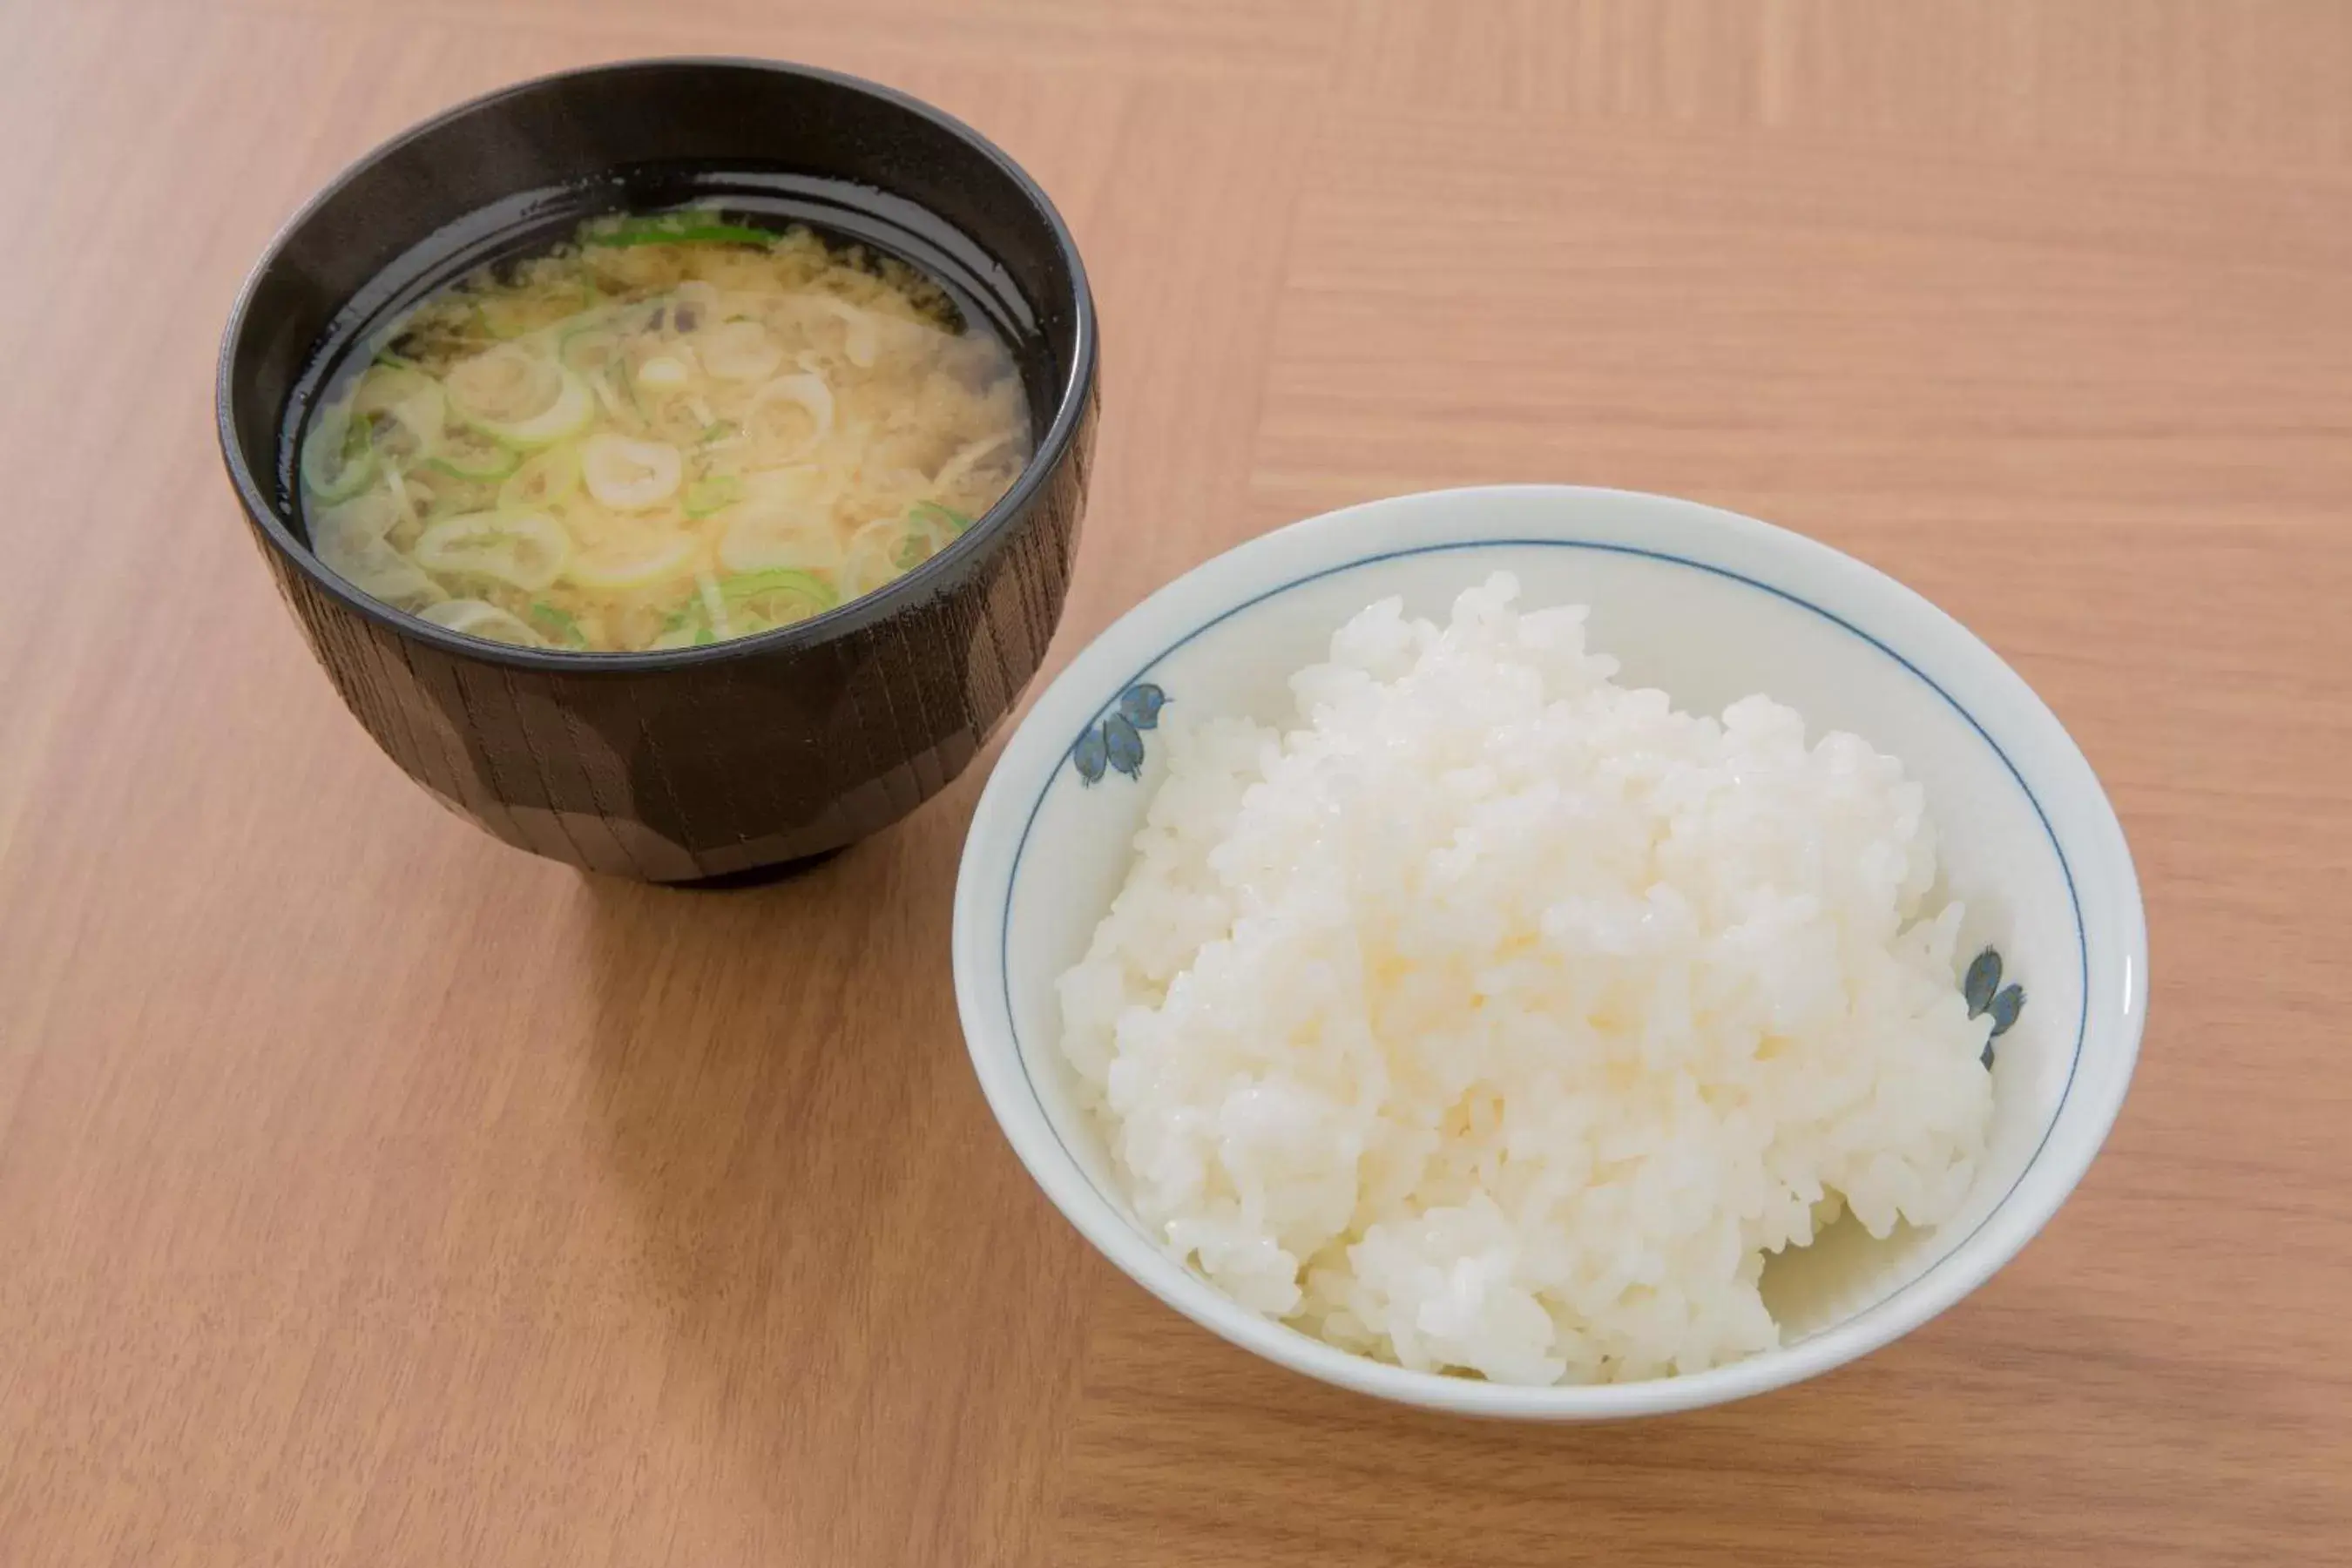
(1548, 952)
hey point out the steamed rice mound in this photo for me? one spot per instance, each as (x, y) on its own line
(1497, 1018)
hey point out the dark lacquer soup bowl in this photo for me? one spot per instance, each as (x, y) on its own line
(733, 760)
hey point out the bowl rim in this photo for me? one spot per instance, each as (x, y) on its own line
(1053, 445)
(1268, 564)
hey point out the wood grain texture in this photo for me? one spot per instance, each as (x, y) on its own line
(372, 1193)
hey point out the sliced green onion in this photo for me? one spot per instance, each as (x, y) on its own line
(628, 475)
(677, 229)
(546, 478)
(947, 514)
(480, 619)
(573, 408)
(931, 528)
(406, 409)
(743, 585)
(714, 603)
(866, 561)
(435, 489)
(809, 394)
(775, 597)
(716, 494)
(562, 620)
(337, 460)
(528, 549)
(588, 349)
(523, 396)
(473, 454)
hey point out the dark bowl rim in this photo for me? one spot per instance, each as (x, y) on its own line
(1052, 449)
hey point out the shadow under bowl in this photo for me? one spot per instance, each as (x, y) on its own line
(714, 764)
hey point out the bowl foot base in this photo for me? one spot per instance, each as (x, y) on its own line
(759, 876)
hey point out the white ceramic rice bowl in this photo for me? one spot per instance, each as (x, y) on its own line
(1711, 606)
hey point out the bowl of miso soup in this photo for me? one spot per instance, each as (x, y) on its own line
(676, 466)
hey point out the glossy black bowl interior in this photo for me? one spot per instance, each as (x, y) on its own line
(716, 762)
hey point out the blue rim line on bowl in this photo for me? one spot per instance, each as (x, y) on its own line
(1876, 1311)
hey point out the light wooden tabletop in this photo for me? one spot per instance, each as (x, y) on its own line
(373, 1195)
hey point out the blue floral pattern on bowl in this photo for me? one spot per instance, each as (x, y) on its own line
(1114, 744)
(1986, 994)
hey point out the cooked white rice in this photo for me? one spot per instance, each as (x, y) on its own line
(1496, 1017)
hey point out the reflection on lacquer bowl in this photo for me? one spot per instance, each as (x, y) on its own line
(1709, 607)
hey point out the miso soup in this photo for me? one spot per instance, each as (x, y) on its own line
(672, 429)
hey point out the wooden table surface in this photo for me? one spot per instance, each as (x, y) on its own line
(372, 1193)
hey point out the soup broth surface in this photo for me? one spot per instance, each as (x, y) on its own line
(671, 430)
